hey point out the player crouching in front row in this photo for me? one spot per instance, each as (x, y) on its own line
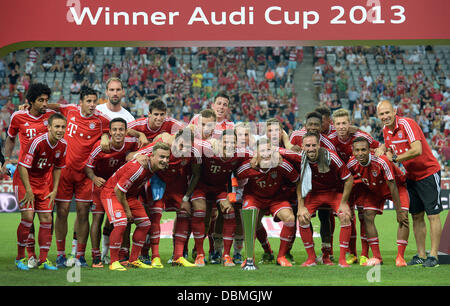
(321, 172)
(121, 203)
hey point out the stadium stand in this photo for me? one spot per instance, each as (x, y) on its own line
(260, 81)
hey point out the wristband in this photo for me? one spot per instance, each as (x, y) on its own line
(394, 158)
(185, 198)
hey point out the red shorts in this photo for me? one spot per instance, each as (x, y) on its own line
(375, 202)
(40, 191)
(97, 207)
(272, 205)
(74, 182)
(357, 196)
(114, 209)
(170, 202)
(209, 193)
(315, 201)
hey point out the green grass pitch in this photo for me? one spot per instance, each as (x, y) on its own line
(216, 275)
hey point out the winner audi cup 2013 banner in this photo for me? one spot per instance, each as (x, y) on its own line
(217, 23)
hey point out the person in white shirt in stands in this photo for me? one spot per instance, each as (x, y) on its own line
(115, 93)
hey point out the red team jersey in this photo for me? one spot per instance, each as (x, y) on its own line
(345, 148)
(297, 139)
(399, 140)
(27, 127)
(81, 134)
(267, 184)
(332, 180)
(130, 178)
(217, 171)
(179, 167)
(375, 174)
(105, 164)
(40, 158)
(169, 125)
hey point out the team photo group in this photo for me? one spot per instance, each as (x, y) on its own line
(120, 167)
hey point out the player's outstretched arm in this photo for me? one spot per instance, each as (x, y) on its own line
(143, 141)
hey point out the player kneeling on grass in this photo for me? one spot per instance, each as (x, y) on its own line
(121, 203)
(322, 174)
(386, 182)
(39, 172)
(263, 191)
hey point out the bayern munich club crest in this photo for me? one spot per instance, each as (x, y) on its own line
(274, 175)
(400, 134)
(45, 122)
(57, 154)
(374, 173)
(92, 125)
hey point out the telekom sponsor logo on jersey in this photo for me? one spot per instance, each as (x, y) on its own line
(71, 129)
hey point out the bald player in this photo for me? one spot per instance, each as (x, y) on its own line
(405, 143)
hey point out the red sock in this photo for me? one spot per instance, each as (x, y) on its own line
(95, 253)
(344, 239)
(45, 240)
(287, 231)
(375, 247)
(401, 246)
(115, 240)
(23, 231)
(308, 242)
(181, 234)
(139, 238)
(353, 237)
(229, 226)
(198, 229)
(364, 243)
(124, 253)
(81, 249)
(61, 247)
(155, 229)
(261, 235)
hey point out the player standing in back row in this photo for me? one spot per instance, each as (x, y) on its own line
(405, 143)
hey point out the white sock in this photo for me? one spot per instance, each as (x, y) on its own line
(74, 247)
(105, 245)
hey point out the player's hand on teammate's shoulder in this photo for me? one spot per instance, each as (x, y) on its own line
(143, 141)
(142, 159)
(105, 143)
(24, 106)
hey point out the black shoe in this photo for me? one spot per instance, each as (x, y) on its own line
(431, 261)
(416, 260)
